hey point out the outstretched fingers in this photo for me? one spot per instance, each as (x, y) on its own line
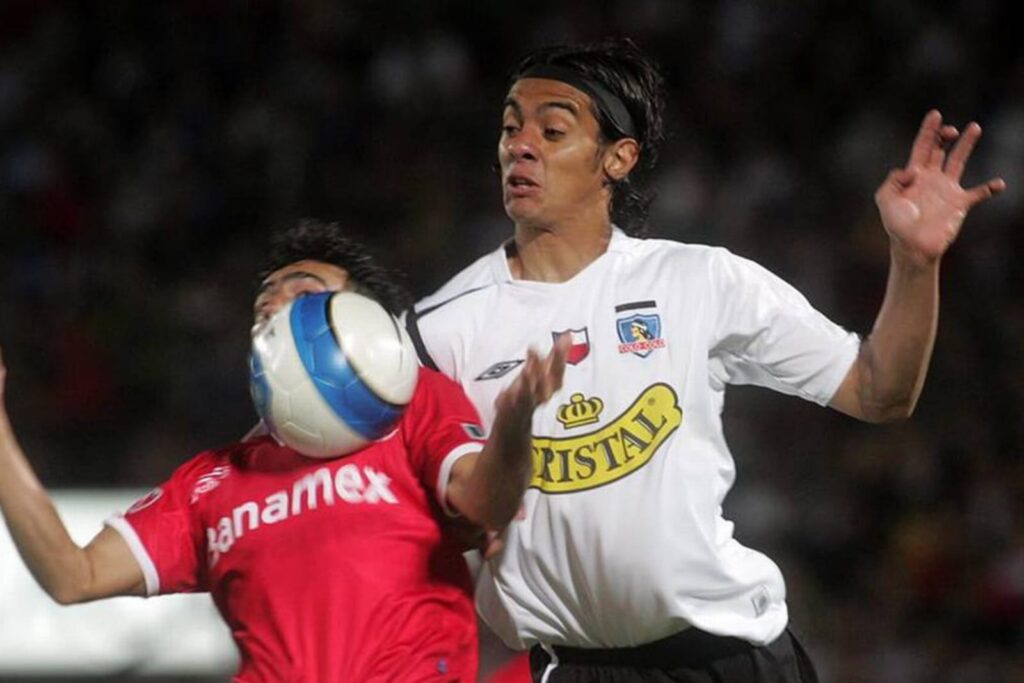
(961, 152)
(530, 375)
(986, 190)
(542, 378)
(554, 365)
(539, 378)
(928, 140)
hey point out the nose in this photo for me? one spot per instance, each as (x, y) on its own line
(521, 146)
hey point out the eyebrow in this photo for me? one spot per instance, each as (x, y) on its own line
(294, 275)
(567, 105)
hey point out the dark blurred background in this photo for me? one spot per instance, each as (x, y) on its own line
(148, 149)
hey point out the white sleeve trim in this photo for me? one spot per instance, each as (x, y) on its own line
(446, 472)
(121, 525)
(841, 368)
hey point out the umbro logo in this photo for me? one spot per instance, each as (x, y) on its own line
(499, 369)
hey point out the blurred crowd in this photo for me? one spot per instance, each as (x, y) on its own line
(148, 149)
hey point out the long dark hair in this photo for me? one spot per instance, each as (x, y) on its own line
(313, 240)
(633, 77)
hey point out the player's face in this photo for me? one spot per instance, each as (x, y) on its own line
(302, 277)
(550, 154)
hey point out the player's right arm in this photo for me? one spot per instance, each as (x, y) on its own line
(67, 572)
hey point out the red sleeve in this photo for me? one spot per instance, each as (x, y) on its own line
(439, 427)
(163, 531)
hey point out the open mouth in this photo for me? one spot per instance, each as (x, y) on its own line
(519, 186)
(520, 181)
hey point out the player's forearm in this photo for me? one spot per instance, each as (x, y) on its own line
(489, 490)
(893, 361)
(60, 567)
(494, 488)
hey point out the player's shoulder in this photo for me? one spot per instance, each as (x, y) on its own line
(723, 263)
(203, 464)
(475, 277)
(443, 321)
(221, 459)
(659, 247)
(671, 259)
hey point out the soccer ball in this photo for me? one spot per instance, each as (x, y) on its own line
(331, 372)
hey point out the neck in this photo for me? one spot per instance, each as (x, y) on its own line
(556, 254)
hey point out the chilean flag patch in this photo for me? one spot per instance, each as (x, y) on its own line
(580, 348)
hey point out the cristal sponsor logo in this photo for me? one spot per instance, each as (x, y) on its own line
(627, 443)
(350, 484)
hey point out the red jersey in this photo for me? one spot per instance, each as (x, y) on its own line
(331, 570)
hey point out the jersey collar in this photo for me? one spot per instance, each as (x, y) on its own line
(501, 272)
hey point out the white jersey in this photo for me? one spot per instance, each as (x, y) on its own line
(621, 540)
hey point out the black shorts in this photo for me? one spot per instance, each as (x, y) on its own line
(691, 656)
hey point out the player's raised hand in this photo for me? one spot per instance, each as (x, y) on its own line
(923, 205)
(537, 381)
(487, 488)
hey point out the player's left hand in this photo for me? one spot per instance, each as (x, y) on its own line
(923, 205)
(537, 381)
(487, 487)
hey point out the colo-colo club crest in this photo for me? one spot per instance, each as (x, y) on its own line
(640, 334)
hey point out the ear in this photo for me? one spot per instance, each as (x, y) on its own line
(620, 158)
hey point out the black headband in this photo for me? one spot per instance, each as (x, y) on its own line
(605, 100)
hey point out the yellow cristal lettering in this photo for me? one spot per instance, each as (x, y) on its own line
(624, 445)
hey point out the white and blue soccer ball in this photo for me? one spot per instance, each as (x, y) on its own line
(331, 373)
